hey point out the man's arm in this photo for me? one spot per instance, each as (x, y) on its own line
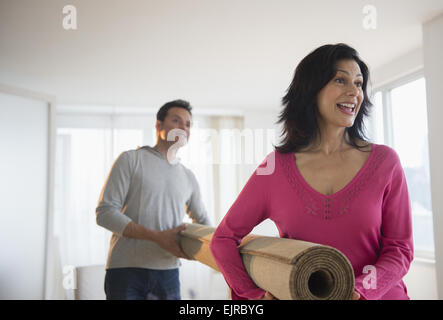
(194, 207)
(166, 239)
(109, 213)
(110, 216)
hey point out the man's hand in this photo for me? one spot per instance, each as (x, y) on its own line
(168, 240)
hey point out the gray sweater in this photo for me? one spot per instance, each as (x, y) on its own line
(145, 188)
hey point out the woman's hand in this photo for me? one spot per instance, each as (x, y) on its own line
(356, 296)
(268, 296)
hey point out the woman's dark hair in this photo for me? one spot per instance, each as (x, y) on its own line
(163, 111)
(299, 116)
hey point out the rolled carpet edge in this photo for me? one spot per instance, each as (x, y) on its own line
(323, 273)
(289, 269)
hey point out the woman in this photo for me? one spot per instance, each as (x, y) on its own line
(329, 185)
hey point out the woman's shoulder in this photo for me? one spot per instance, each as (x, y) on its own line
(267, 166)
(387, 159)
(380, 149)
(387, 151)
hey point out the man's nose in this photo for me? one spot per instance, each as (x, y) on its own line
(184, 128)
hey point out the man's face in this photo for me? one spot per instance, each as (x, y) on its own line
(176, 118)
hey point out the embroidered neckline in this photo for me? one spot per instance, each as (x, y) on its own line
(348, 185)
(337, 204)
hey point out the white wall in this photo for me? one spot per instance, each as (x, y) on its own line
(433, 48)
(421, 280)
(24, 161)
(402, 66)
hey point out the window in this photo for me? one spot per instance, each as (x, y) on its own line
(84, 157)
(400, 120)
(378, 129)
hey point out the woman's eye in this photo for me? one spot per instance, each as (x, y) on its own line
(359, 84)
(339, 80)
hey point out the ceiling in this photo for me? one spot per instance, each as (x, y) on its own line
(217, 54)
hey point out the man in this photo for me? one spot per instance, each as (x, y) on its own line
(143, 203)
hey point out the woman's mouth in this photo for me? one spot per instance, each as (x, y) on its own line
(347, 108)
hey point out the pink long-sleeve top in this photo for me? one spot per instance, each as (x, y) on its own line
(369, 221)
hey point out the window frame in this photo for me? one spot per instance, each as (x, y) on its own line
(427, 256)
(385, 91)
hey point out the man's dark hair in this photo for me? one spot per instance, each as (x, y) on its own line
(299, 116)
(163, 111)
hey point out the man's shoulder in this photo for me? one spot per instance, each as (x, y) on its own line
(189, 173)
(186, 170)
(133, 154)
(128, 154)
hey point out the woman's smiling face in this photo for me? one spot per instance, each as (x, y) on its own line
(340, 100)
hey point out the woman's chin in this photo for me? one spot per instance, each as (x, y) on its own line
(347, 123)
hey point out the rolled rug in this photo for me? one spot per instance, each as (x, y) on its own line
(288, 269)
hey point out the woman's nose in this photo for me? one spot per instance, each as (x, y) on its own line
(353, 90)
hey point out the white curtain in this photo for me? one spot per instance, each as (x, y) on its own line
(214, 155)
(227, 163)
